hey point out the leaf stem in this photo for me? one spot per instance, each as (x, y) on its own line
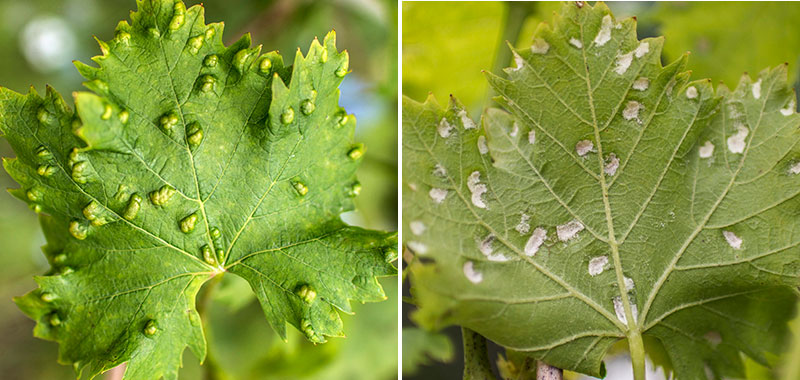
(636, 346)
(211, 368)
(476, 356)
(513, 21)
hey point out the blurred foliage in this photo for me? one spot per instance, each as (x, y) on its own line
(726, 39)
(38, 41)
(422, 347)
(443, 53)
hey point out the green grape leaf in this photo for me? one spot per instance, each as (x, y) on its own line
(611, 199)
(190, 159)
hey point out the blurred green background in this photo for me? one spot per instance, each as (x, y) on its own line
(447, 44)
(38, 41)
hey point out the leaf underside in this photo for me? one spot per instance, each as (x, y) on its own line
(611, 195)
(186, 160)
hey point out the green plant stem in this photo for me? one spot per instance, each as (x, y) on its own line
(211, 368)
(636, 346)
(476, 356)
(513, 20)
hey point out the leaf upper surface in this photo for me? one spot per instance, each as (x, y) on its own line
(189, 159)
(592, 206)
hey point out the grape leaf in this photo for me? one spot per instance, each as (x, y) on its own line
(190, 159)
(611, 199)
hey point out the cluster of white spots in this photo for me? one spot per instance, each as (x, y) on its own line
(631, 111)
(518, 61)
(795, 169)
(691, 92)
(417, 247)
(468, 123)
(619, 309)
(576, 42)
(477, 188)
(642, 49)
(713, 338)
(536, 240)
(485, 246)
(707, 150)
(736, 142)
(439, 171)
(734, 241)
(531, 137)
(482, 148)
(641, 84)
(612, 164)
(623, 63)
(540, 46)
(569, 230)
(438, 195)
(514, 129)
(597, 265)
(604, 35)
(583, 147)
(628, 283)
(757, 89)
(472, 275)
(789, 110)
(444, 128)
(523, 226)
(417, 227)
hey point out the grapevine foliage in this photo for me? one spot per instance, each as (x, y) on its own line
(611, 198)
(188, 159)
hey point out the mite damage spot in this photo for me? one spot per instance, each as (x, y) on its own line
(623, 63)
(757, 89)
(540, 46)
(789, 110)
(795, 169)
(438, 195)
(713, 338)
(523, 226)
(485, 246)
(736, 143)
(628, 283)
(536, 240)
(576, 42)
(518, 61)
(734, 241)
(707, 150)
(583, 147)
(444, 128)
(642, 49)
(417, 247)
(472, 275)
(631, 111)
(514, 129)
(439, 171)
(412, 186)
(612, 164)
(417, 227)
(477, 189)
(641, 84)
(468, 123)
(597, 265)
(619, 309)
(691, 92)
(569, 230)
(604, 35)
(482, 148)
(531, 137)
